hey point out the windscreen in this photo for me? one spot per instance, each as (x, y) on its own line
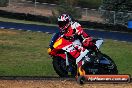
(53, 39)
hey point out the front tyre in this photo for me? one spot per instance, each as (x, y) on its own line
(81, 80)
(59, 65)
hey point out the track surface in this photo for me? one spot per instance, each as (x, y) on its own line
(57, 84)
(53, 82)
(50, 29)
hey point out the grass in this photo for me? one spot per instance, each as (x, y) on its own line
(25, 54)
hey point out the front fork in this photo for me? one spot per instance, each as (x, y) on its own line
(67, 62)
(68, 67)
(80, 70)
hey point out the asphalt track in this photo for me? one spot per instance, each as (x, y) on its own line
(119, 36)
(47, 78)
(35, 78)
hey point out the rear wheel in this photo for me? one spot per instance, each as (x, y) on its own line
(103, 64)
(59, 65)
(112, 68)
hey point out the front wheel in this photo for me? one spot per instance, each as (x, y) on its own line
(81, 80)
(59, 65)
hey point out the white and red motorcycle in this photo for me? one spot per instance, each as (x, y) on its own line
(67, 56)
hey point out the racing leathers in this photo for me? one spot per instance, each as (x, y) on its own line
(75, 31)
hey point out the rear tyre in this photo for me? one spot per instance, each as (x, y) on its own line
(113, 65)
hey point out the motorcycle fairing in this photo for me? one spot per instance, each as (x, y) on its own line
(53, 39)
(82, 54)
(74, 48)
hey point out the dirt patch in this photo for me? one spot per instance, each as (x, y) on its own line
(47, 10)
(7, 32)
(6, 42)
(27, 10)
(55, 84)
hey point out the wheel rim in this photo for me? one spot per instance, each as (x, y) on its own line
(62, 65)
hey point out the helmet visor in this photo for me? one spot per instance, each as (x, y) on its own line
(62, 24)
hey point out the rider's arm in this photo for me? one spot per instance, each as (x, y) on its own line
(80, 32)
(84, 37)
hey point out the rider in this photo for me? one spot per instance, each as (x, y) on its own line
(73, 30)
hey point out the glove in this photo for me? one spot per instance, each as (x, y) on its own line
(87, 42)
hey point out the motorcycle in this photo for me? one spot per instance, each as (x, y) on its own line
(67, 56)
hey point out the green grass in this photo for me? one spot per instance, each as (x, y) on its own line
(25, 54)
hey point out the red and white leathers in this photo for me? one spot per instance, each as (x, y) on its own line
(76, 31)
(73, 30)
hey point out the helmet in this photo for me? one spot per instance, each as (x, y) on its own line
(64, 21)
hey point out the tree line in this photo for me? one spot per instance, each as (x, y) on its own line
(80, 3)
(117, 5)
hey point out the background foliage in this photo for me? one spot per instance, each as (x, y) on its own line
(117, 5)
(3, 3)
(68, 6)
(81, 3)
(117, 11)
